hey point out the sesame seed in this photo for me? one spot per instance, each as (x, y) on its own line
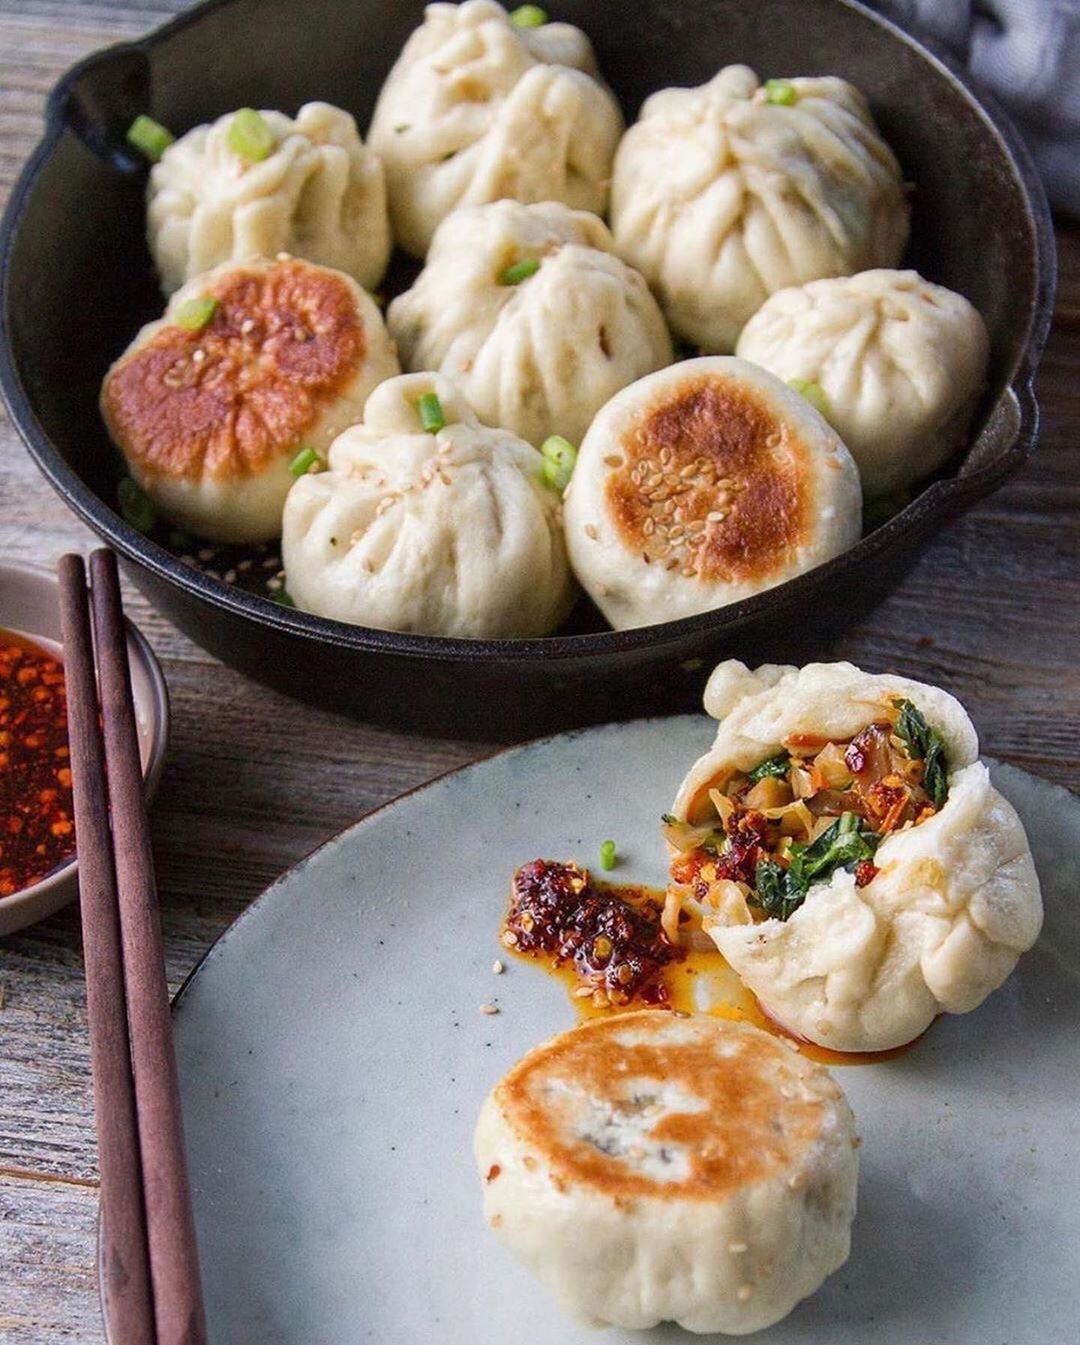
(245, 565)
(509, 938)
(745, 1291)
(678, 532)
(208, 553)
(649, 527)
(187, 560)
(497, 967)
(613, 460)
(283, 257)
(247, 326)
(691, 469)
(590, 531)
(489, 1009)
(270, 563)
(273, 584)
(666, 455)
(230, 576)
(198, 356)
(602, 590)
(583, 992)
(689, 572)
(737, 1248)
(646, 558)
(673, 564)
(797, 1181)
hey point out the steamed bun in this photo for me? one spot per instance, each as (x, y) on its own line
(469, 114)
(933, 923)
(901, 363)
(650, 1168)
(446, 533)
(209, 417)
(721, 197)
(319, 194)
(542, 355)
(704, 484)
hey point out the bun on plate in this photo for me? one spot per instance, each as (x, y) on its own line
(848, 855)
(649, 1168)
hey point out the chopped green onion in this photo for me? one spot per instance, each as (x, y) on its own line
(560, 455)
(195, 313)
(776, 767)
(401, 127)
(430, 411)
(149, 137)
(528, 16)
(306, 460)
(607, 855)
(281, 598)
(522, 270)
(135, 505)
(180, 541)
(813, 392)
(250, 135)
(781, 92)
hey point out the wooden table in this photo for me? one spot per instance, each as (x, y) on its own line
(254, 781)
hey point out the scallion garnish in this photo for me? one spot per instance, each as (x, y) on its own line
(430, 411)
(522, 270)
(149, 137)
(281, 598)
(781, 92)
(607, 855)
(195, 313)
(560, 455)
(528, 16)
(250, 135)
(135, 505)
(307, 460)
(814, 393)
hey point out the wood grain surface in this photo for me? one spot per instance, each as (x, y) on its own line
(254, 781)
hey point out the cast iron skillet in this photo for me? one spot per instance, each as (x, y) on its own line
(77, 283)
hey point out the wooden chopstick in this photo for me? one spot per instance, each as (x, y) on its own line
(125, 1290)
(174, 1261)
(133, 959)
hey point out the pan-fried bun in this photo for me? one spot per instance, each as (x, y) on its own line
(648, 1167)
(702, 484)
(209, 417)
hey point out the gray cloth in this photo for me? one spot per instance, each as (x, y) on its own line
(1027, 54)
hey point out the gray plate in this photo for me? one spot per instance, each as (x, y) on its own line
(333, 1057)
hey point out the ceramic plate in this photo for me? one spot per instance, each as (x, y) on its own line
(333, 1057)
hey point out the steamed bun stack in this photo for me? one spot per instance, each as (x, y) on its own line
(527, 309)
(428, 521)
(307, 186)
(473, 112)
(726, 193)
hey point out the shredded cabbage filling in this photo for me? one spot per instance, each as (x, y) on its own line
(794, 819)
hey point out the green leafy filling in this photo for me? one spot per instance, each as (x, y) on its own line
(780, 892)
(925, 743)
(775, 767)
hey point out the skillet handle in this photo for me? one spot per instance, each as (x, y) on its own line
(98, 99)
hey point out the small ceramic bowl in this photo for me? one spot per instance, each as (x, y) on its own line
(29, 605)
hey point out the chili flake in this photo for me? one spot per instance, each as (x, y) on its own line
(37, 830)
